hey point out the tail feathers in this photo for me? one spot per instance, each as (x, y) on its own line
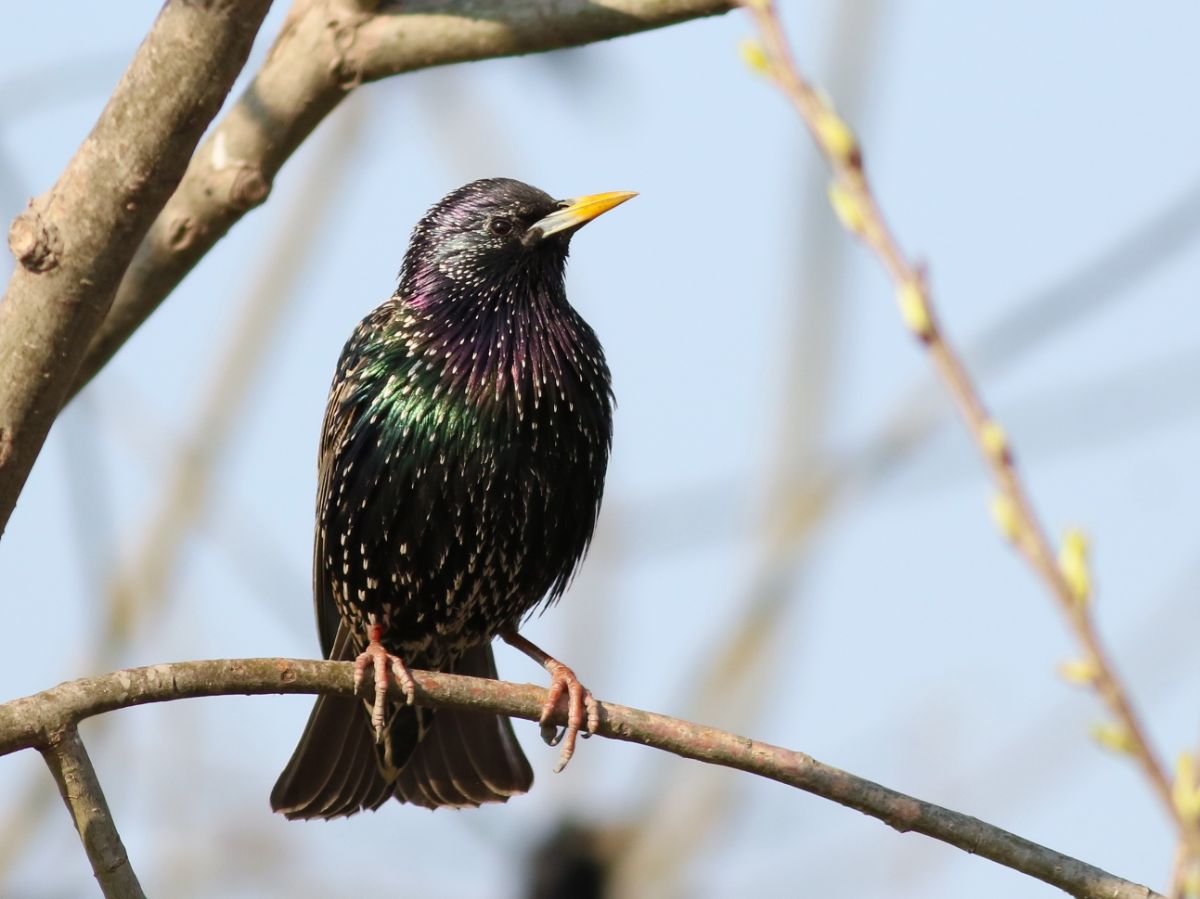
(468, 758)
(333, 771)
(456, 758)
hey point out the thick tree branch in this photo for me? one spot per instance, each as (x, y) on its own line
(80, 788)
(416, 34)
(73, 243)
(35, 721)
(325, 49)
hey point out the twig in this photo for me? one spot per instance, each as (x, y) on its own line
(326, 49)
(856, 205)
(33, 721)
(73, 243)
(80, 788)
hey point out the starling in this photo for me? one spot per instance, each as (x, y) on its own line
(461, 469)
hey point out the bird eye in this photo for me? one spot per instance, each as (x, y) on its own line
(500, 227)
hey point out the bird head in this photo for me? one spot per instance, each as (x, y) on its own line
(495, 234)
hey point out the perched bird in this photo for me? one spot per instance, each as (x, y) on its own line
(461, 469)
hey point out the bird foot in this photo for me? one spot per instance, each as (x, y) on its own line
(375, 656)
(583, 712)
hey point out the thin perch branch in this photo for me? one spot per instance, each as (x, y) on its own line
(856, 206)
(34, 721)
(80, 788)
(74, 242)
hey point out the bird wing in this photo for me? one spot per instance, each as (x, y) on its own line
(342, 411)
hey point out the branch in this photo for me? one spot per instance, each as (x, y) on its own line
(33, 721)
(325, 49)
(73, 243)
(80, 788)
(1068, 581)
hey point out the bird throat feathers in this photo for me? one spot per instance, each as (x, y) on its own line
(515, 357)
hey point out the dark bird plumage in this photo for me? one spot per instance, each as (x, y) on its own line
(461, 469)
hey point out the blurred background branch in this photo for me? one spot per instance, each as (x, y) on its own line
(143, 583)
(684, 806)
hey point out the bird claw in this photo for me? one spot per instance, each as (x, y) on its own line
(405, 680)
(380, 660)
(583, 712)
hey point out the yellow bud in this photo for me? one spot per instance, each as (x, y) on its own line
(1077, 541)
(1073, 563)
(994, 441)
(837, 138)
(754, 56)
(1113, 737)
(760, 5)
(848, 208)
(914, 309)
(1005, 515)
(1184, 792)
(1079, 671)
(1191, 884)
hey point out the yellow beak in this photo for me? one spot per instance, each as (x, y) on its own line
(580, 211)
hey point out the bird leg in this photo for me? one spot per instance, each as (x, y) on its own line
(378, 657)
(583, 712)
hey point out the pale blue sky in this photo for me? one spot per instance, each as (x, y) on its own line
(1011, 145)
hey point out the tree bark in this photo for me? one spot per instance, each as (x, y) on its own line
(74, 243)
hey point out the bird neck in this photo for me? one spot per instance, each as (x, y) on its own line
(509, 356)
